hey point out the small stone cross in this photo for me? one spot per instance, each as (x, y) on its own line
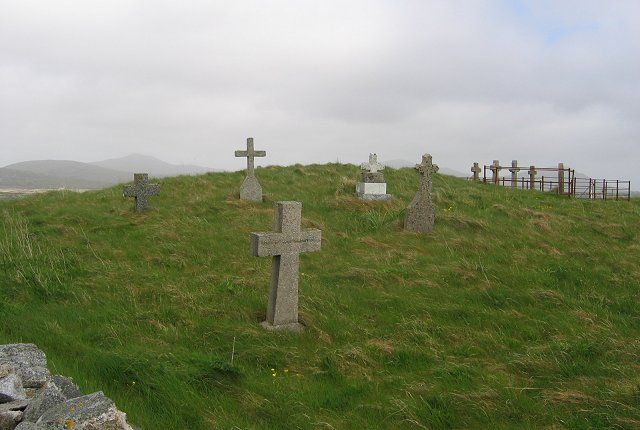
(250, 188)
(250, 153)
(285, 246)
(476, 171)
(372, 166)
(420, 214)
(141, 190)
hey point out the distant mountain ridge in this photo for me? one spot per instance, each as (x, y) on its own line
(54, 174)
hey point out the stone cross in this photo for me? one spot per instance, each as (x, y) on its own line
(372, 166)
(420, 214)
(560, 178)
(141, 190)
(532, 177)
(476, 171)
(285, 246)
(250, 188)
(495, 170)
(514, 173)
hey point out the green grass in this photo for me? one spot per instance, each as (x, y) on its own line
(519, 311)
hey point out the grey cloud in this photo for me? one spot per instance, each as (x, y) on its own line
(319, 81)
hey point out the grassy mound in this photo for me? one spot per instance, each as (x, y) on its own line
(520, 310)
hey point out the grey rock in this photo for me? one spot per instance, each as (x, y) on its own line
(29, 361)
(10, 419)
(420, 214)
(141, 190)
(11, 388)
(26, 425)
(285, 246)
(16, 405)
(67, 386)
(91, 412)
(250, 188)
(49, 396)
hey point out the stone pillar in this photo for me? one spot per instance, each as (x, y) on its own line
(532, 177)
(514, 173)
(560, 178)
(495, 170)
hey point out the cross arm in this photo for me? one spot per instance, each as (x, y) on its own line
(270, 244)
(153, 189)
(241, 154)
(129, 191)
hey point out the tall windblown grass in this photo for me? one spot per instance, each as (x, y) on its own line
(26, 262)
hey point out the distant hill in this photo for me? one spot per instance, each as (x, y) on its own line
(53, 174)
(151, 165)
(399, 164)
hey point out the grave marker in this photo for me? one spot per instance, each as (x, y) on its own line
(532, 177)
(372, 185)
(495, 171)
(250, 188)
(141, 190)
(420, 214)
(476, 171)
(285, 246)
(514, 173)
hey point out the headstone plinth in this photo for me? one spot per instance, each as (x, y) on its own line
(420, 214)
(372, 185)
(284, 246)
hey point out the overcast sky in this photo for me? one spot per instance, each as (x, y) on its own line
(324, 80)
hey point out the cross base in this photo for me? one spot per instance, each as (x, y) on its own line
(250, 189)
(294, 327)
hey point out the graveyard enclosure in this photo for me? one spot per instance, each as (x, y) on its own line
(560, 180)
(519, 310)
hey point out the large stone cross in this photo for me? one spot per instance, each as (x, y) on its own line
(141, 190)
(420, 214)
(476, 171)
(285, 246)
(250, 188)
(372, 166)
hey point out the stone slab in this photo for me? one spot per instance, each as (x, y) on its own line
(371, 188)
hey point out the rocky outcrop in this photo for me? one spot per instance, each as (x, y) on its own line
(33, 399)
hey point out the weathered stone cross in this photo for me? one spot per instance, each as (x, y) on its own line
(514, 173)
(495, 170)
(250, 188)
(420, 214)
(285, 246)
(476, 171)
(532, 177)
(372, 166)
(141, 190)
